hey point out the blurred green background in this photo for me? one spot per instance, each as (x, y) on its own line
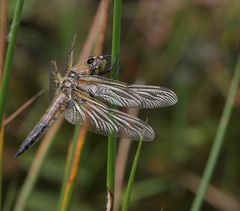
(190, 47)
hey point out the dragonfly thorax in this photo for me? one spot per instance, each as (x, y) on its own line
(67, 83)
(70, 80)
(72, 75)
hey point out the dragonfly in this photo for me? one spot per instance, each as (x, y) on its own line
(85, 95)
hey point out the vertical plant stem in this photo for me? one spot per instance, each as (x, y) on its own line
(218, 141)
(131, 178)
(9, 57)
(1, 162)
(114, 74)
(72, 169)
(3, 34)
(10, 196)
(116, 33)
(121, 162)
(7, 69)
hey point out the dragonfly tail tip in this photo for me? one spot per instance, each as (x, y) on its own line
(17, 154)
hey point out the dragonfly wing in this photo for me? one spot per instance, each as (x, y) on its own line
(154, 96)
(122, 94)
(119, 96)
(106, 121)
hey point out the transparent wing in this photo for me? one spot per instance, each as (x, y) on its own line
(122, 94)
(106, 121)
(113, 95)
(154, 96)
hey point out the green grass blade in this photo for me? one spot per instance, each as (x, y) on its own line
(114, 74)
(111, 163)
(66, 203)
(10, 196)
(7, 73)
(9, 56)
(218, 141)
(116, 32)
(71, 170)
(1, 162)
(131, 178)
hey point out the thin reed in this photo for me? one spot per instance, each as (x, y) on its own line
(116, 32)
(218, 141)
(127, 196)
(5, 73)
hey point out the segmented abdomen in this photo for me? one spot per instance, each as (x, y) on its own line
(52, 113)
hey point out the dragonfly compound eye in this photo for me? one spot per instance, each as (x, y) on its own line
(90, 61)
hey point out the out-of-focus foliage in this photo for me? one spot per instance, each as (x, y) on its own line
(188, 46)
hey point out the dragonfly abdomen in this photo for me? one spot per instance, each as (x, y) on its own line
(53, 112)
(32, 138)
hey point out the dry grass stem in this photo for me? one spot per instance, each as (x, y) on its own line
(22, 108)
(100, 19)
(33, 172)
(121, 161)
(215, 197)
(74, 166)
(103, 26)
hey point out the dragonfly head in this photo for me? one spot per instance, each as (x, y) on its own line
(96, 64)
